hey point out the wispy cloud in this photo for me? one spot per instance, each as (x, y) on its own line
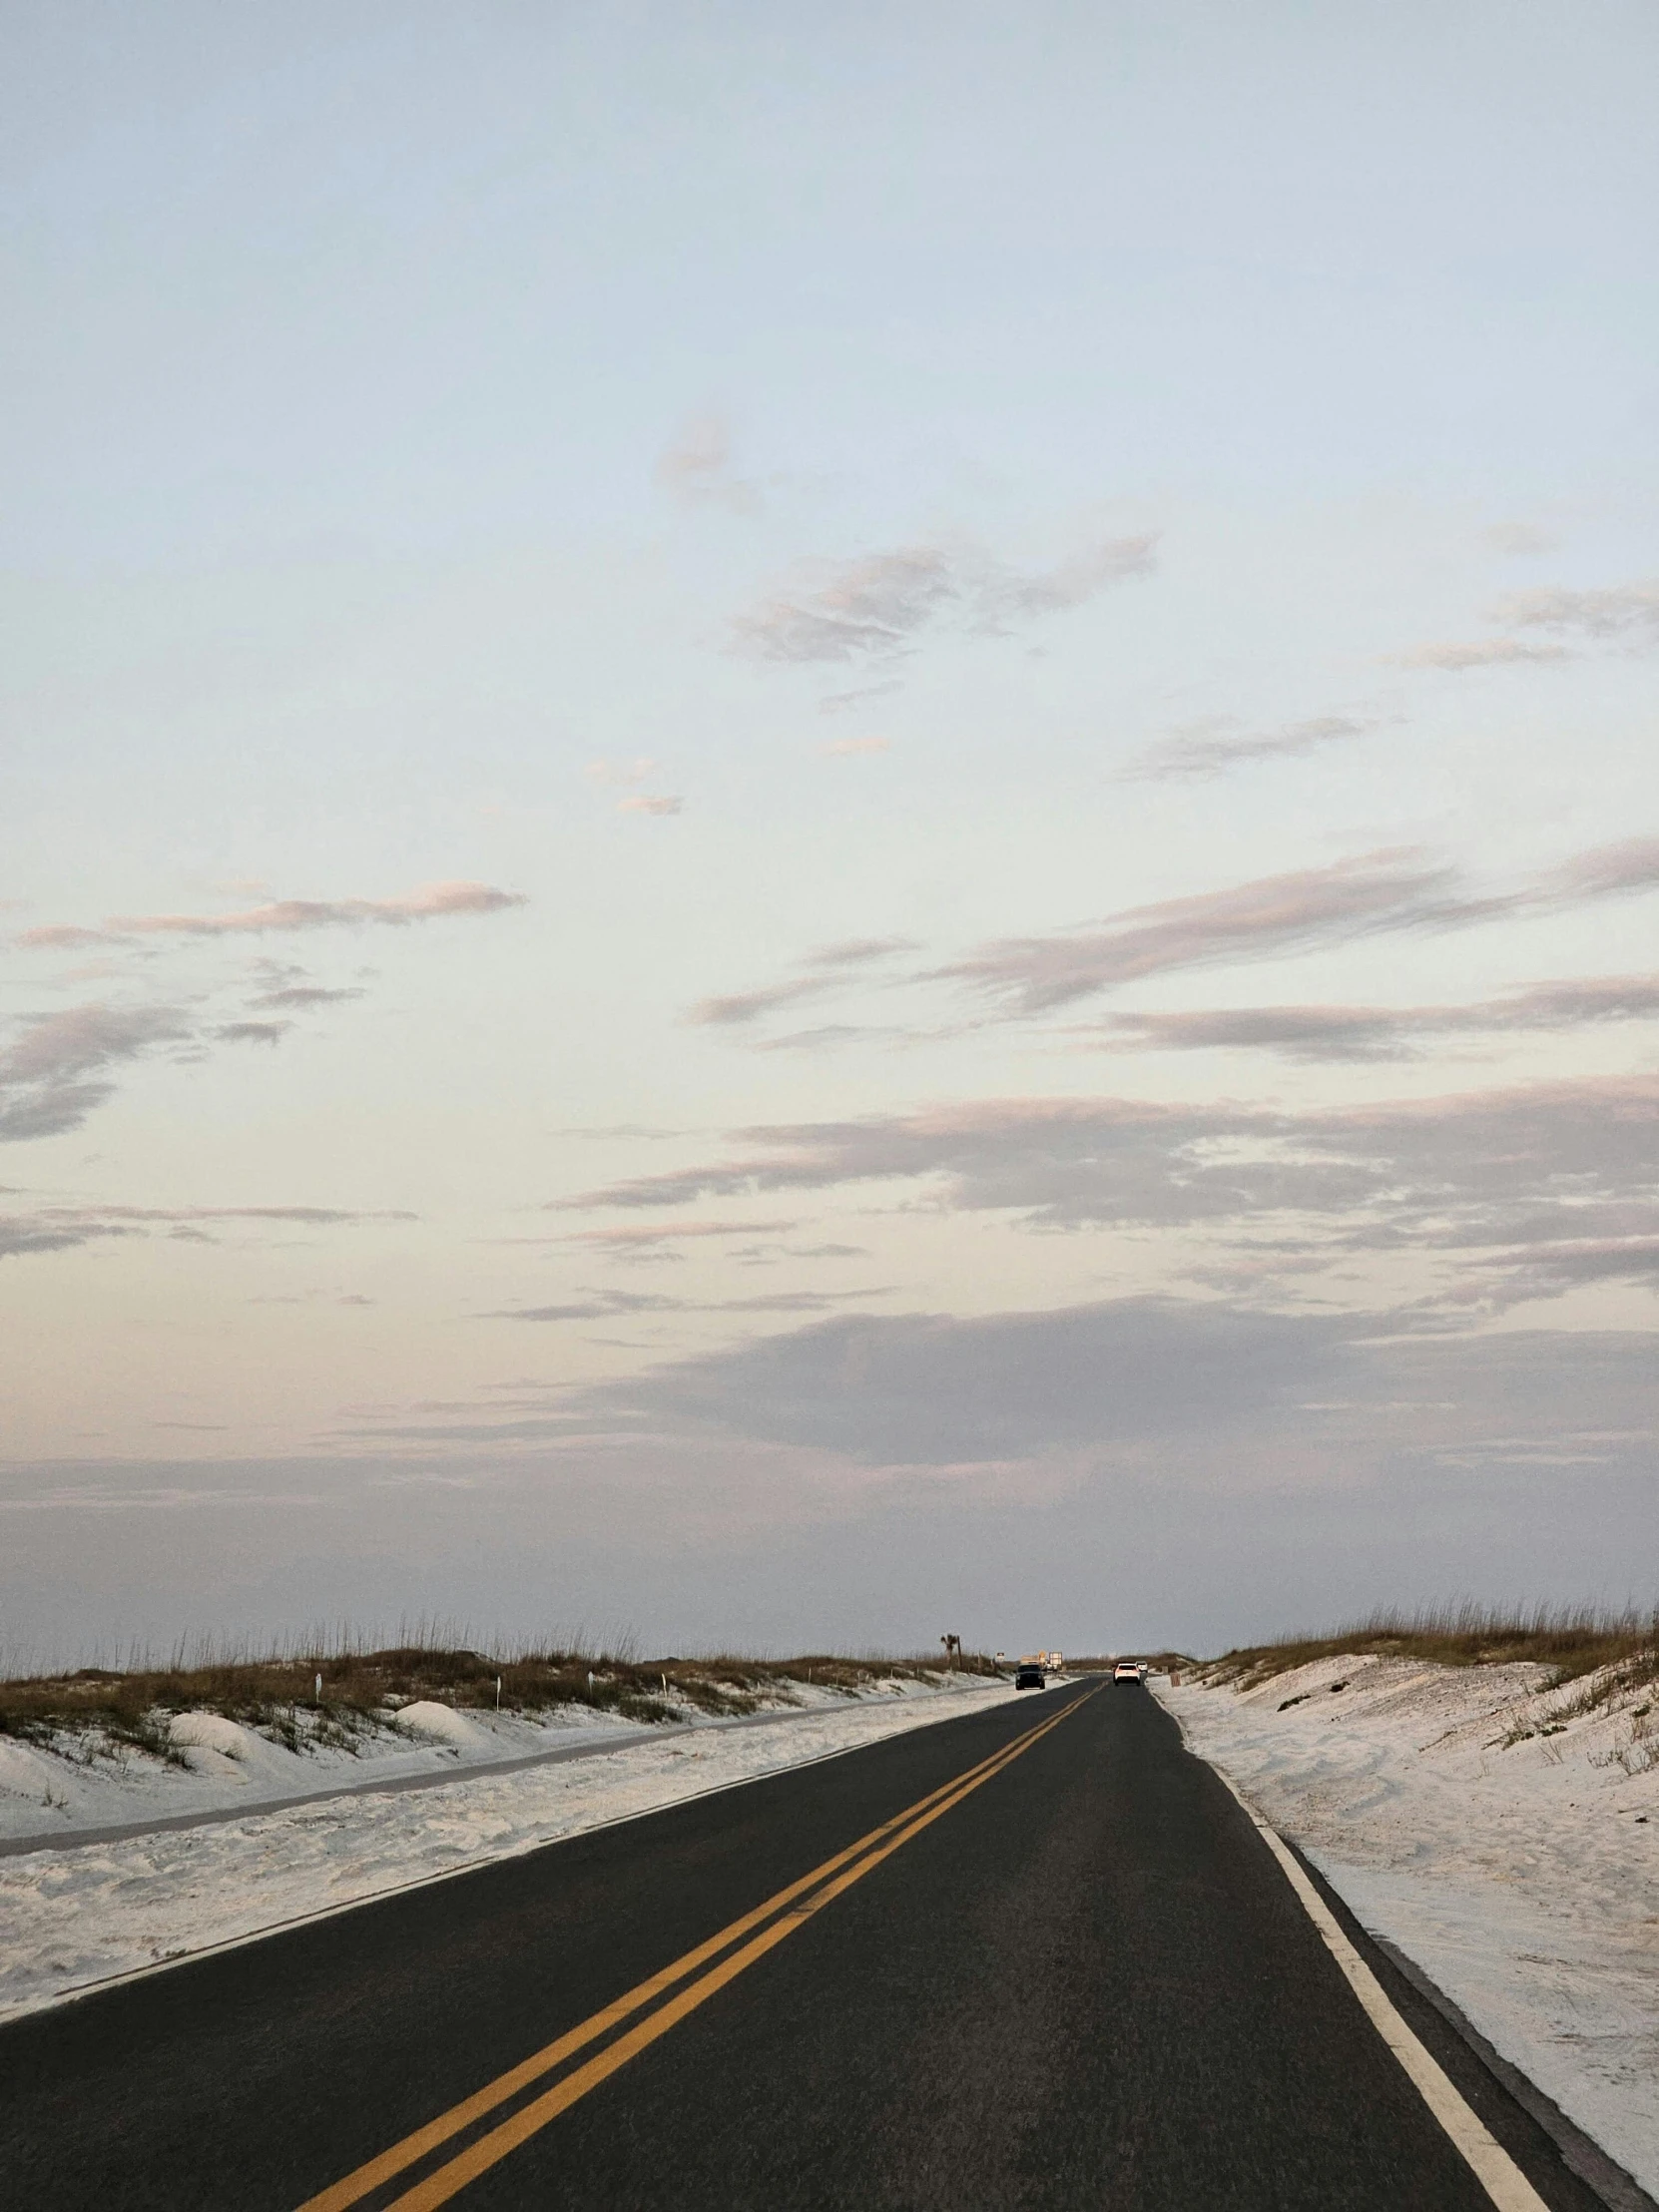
(252, 1032)
(614, 1305)
(827, 967)
(301, 996)
(59, 937)
(593, 1306)
(427, 903)
(1455, 654)
(58, 1228)
(841, 701)
(831, 1035)
(53, 1073)
(1603, 872)
(696, 468)
(738, 1007)
(56, 1068)
(1592, 616)
(1511, 1174)
(1209, 750)
(1002, 597)
(24, 1234)
(1272, 915)
(1363, 1033)
(1612, 611)
(858, 953)
(844, 613)
(1547, 1270)
(651, 802)
(1278, 916)
(659, 1240)
(874, 607)
(847, 748)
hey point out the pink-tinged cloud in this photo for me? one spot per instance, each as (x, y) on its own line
(831, 966)
(54, 1049)
(1632, 865)
(1272, 915)
(871, 608)
(1279, 915)
(737, 1007)
(60, 937)
(696, 468)
(649, 803)
(1197, 754)
(1521, 1172)
(853, 953)
(862, 607)
(847, 748)
(1606, 611)
(427, 903)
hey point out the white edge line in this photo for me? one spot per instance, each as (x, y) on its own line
(80, 1990)
(1492, 2166)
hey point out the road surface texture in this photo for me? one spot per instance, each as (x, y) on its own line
(1037, 1957)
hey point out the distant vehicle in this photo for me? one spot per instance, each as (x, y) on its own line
(1028, 1678)
(1128, 1670)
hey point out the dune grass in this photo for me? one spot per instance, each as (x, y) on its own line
(336, 1693)
(1619, 1650)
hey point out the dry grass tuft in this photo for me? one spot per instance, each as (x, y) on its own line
(1619, 1649)
(111, 1711)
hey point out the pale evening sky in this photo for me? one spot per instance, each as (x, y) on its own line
(821, 824)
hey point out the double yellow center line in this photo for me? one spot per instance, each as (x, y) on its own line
(765, 1927)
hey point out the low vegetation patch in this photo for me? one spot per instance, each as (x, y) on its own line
(334, 1698)
(1612, 1653)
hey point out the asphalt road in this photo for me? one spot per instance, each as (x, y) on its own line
(1077, 1979)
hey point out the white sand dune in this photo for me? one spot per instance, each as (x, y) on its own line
(77, 1914)
(1519, 1871)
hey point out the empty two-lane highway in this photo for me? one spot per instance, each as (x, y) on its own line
(1036, 1957)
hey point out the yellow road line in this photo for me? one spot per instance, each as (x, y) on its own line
(868, 1851)
(490, 2149)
